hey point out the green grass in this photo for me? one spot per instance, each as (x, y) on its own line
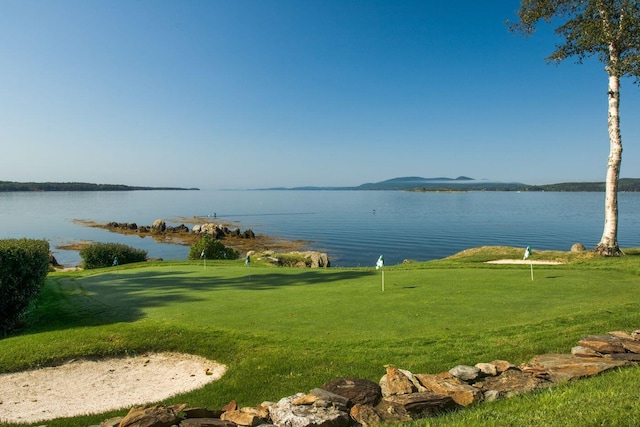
(286, 330)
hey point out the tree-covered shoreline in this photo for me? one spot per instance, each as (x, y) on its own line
(9, 186)
(625, 185)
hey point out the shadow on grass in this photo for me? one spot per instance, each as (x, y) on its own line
(113, 297)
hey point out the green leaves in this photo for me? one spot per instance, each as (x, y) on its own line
(607, 29)
(210, 248)
(99, 255)
(23, 268)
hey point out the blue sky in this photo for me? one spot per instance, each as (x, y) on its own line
(262, 93)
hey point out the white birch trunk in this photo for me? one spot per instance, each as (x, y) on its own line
(609, 242)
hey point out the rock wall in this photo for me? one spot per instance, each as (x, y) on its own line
(402, 396)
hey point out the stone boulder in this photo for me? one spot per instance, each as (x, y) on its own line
(358, 391)
(396, 382)
(200, 412)
(158, 226)
(365, 415)
(206, 422)
(603, 343)
(154, 416)
(565, 367)
(53, 261)
(285, 413)
(578, 247)
(242, 418)
(464, 372)
(462, 393)
(418, 405)
(217, 231)
(511, 382)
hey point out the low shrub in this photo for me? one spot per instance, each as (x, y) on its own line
(99, 255)
(210, 248)
(24, 264)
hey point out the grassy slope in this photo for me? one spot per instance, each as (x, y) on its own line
(283, 331)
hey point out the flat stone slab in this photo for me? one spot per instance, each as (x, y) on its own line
(565, 367)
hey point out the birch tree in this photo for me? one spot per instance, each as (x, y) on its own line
(608, 30)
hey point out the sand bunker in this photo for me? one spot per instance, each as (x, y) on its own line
(94, 386)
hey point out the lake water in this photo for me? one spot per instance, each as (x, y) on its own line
(353, 227)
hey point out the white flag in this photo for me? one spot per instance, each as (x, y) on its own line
(202, 254)
(527, 252)
(380, 263)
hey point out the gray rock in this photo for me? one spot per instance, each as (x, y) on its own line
(159, 225)
(327, 399)
(578, 247)
(464, 372)
(285, 414)
(491, 395)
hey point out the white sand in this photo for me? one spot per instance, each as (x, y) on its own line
(95, 386)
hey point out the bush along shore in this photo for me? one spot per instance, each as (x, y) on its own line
(402, 396)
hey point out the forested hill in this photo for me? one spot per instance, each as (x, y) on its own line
(6, 186)
(464, 183)
(624, 184)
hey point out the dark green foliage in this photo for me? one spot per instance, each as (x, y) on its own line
(23, 268)
(6, 186)
(99, 255)
(608, 30)
(211, 248)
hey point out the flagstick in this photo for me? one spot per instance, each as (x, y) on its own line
(382, 280)
(531, 261)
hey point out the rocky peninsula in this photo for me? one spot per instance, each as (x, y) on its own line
(275, 250)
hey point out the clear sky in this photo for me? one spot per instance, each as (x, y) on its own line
(263, 93)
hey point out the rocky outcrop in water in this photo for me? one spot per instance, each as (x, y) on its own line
(159, 226)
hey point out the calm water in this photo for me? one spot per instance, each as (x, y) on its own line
(353, 227)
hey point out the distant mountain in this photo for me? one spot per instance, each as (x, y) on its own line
(416, 183)
(464, 183)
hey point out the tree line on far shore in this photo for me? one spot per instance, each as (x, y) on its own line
(625, 184)
(7, 186)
